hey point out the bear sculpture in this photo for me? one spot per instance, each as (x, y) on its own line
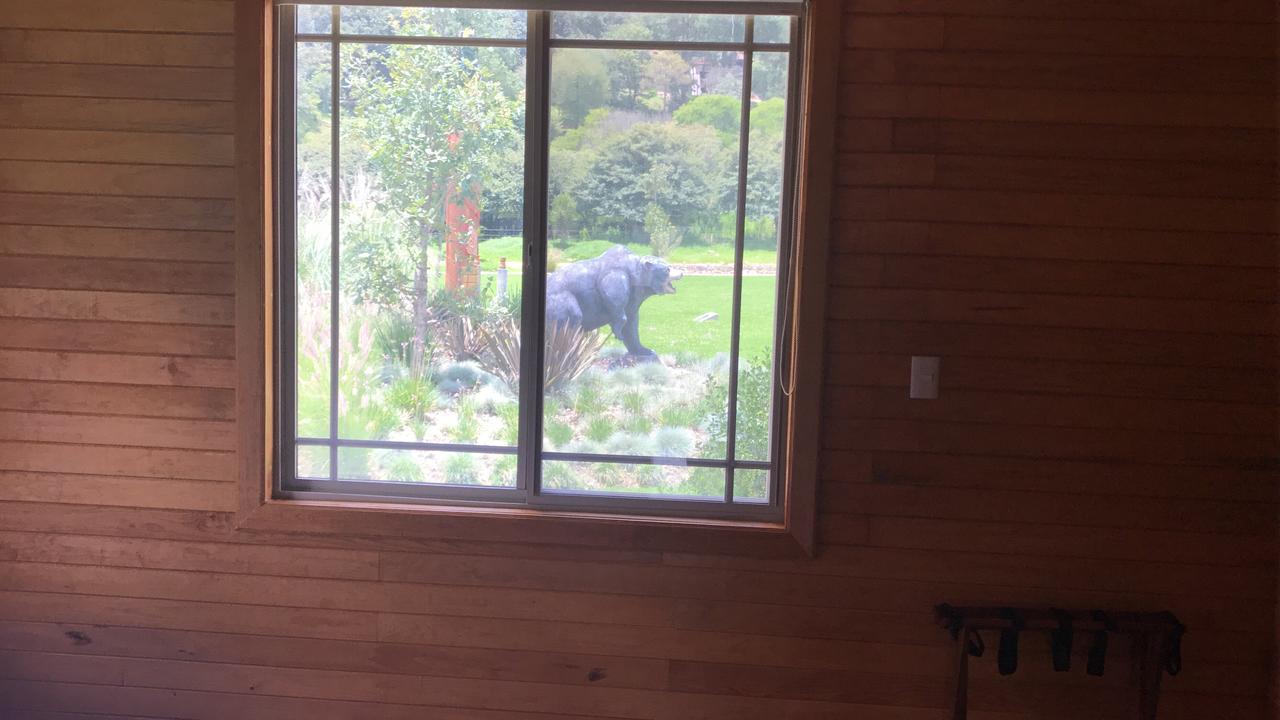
(608, 290)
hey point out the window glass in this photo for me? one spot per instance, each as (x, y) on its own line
(434, 22)
(642, 208)
(315, 19)
(313, 232)
(421, 466)
(772, 29)
(655, 482)
(663, 253)
(431, 146)
(750, 485)
(659, 27)
(762, 231)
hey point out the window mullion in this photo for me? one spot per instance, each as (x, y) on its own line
(533, 298)
(335, 205)
(739, 240)
(286, 277)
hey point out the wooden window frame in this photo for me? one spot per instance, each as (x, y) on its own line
(258, 510)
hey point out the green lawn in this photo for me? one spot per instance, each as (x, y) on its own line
(667, 326)
(667, 321)
(720, 254)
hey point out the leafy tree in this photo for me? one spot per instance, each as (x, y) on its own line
(562, 218)
(437, 123)
(679, 169)
(668, 74)
(770, 117)
(722, 112)
(764, 165)
(626, 67)
(663, 236)
(579, 84)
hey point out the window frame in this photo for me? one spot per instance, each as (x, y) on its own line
(790, 515)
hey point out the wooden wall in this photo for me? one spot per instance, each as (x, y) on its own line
(1071, 201)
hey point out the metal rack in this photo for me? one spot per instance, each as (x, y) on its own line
(1157, 638)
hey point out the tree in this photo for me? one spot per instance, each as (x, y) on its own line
(722, 112)
(668, 74)
(663, 236)
(437, 124)
(562, 218)
(579, 84)
(626, 67)
(679, 169)
(764, 162)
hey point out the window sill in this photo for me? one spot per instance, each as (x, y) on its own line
(524, 525)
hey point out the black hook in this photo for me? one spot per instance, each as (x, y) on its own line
(1061, 641)
(1098, 653)
(1173, 650)
(1007, 660)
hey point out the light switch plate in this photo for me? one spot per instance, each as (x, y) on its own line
(924, 377)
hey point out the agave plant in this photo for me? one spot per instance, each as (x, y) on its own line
(570, 351)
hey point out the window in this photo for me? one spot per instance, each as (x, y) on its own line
(535, 257)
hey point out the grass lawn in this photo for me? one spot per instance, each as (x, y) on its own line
(721, 254)
(667, 326)
(666, 321)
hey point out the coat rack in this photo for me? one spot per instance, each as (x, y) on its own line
(1157, 643)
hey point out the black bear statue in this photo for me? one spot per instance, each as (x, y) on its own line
(608, 290)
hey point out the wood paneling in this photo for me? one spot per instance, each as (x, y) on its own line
(1071, 201)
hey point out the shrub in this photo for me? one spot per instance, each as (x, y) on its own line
(755, 392)
(558, 433)
(510, 416)
(570, 351)
(639, 424)
(461, 469)
(587, 401)
(628, 443)
(685, 415)
(467, 428)
(414, 398)
(490, 397)
(599, 428)
(457, 377)
(584, 447)
(504, 470)
(663, 236)
(673, 441)
(654, 373)
(397, 466)
(557, 475)
(635, 402)
(704, 482)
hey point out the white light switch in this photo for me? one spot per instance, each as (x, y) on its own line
(924, 377)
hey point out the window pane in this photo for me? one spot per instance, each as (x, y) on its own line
(653, 481)
(643, 168)
(313, 237)
(765, 155)
(432, 152)
(315, 19)
(772, 29)
(425, 466)
(313, 461)
(751, 486)
(434, 22)
(660, 27)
